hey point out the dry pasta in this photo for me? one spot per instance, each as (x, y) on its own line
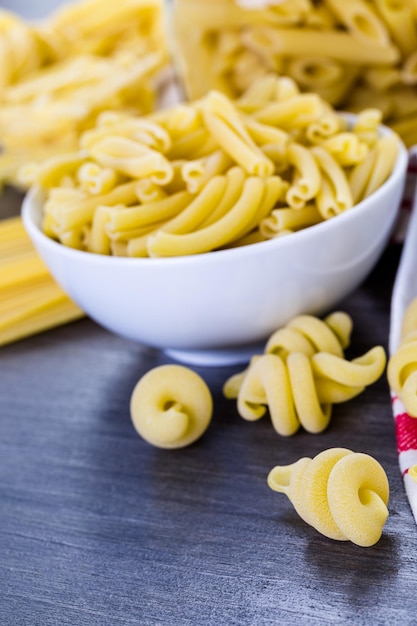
(353, 53)
(171, 406)
(342, 494)
(210, 174)
(30, 300)
(302, 373)
(402, 365)
(59, 74)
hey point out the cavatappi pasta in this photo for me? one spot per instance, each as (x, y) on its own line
(211, 174)
(354, 53)
(30, 299)
(342, 494)
(302, 373)
(402, 365)
(58, 74)
(171, 406)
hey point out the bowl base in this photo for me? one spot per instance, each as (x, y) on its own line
(217, 358)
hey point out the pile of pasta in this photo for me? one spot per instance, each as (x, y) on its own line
(211, 174)
(402, 365)
(58, 74)
(30, 300)
(302, 373)
(354, 53)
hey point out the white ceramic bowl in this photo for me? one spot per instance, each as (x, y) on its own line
(219, 307)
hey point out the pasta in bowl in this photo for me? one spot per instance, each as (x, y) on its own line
(216, 307)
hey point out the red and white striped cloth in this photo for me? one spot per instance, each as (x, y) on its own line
(404, 291)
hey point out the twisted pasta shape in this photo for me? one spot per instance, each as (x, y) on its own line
(402, 366)
(171, 406)
(342, 494)
(306, 334)
(302, 373)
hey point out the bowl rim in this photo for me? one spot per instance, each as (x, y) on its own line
(215, 256)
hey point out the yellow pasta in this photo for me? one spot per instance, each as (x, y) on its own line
(215, 235)
(334, 196)
(289, 220)
(150, 213)
(171, 406)
(285, 166)
(353, 53)
(30, 300)
(342, 494)
(308, 178)
(398, 16)
(302, 373)
(339, 45)
(402, 365)
(224, 123)
(360, 20)
(59, 74)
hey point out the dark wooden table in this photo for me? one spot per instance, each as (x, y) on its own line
(99, 528)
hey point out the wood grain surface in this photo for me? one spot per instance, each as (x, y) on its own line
(99, 528)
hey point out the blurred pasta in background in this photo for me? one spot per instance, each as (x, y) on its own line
(353, 53)
(56, 75)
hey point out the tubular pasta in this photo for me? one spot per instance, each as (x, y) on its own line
(264, 174)
(308, 178)
(132, 159)
(149, 213)
(164, 243)
(340, 45)
(398, 16)
(224, 123)
(289, 219)
(335, 183)
(198, 172)
(386, 153)
(95, 179)
(360, 20)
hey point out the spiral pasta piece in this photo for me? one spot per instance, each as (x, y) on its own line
(402, 365)
(302, 373)
(342, 494)
(171, 406)
(363, 370)
(309, 334)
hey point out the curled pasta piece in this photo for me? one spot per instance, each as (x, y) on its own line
(308, 178)
(335, 195)
(132, 158)
(362, 371)
(402, 365)
(346, 148)
(288, 220)
(171, 406)
(342, 494)
(309, 334)
(95, 179)
(225, 229)
(198, 172)
(287, 390)
(223, 121)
